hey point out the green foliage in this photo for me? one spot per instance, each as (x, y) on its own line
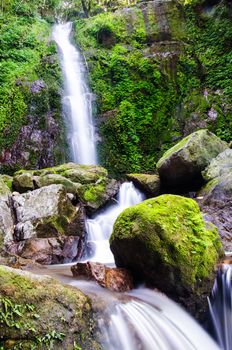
(26, 56)
(140, 97)
(146, 102)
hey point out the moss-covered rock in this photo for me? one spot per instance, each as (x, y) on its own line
(40, 313)
(150, 184)
(183, 163)
(94, 196)
(90, 183)
(165, 242)
(50, 179)
(23, 182)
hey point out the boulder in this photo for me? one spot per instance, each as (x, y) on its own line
(114, 279)
(215, 199)
(51, 179)
(89, 183)
(165, 242)
(48, 251)
(183, 163)
(6, 222)
(95, 196)
(38, 312)
(46, 212)
(221, 165)
(149, 184)
(23, 182)
(6, 218)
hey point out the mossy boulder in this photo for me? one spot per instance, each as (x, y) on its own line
(37, 312)
(50, 179)
(219, 166)
(89, 183)
(165, 241)
(183, 163)
(148, 183)
(95, 196)
(23, 182)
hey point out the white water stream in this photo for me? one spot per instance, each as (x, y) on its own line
(142, 319)
(77, 100)
(100, 228)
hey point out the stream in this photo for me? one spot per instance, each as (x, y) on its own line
(141, 319)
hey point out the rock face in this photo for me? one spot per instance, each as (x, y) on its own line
(150, 184)
(221, 165)
(40, 313)
(49, 251)
(114, 279)
(46, 212)
(166, 242)
(46, 228)
(183, 163)
(215, 198)
(89, 183)
(45, 219)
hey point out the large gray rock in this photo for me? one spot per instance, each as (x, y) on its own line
(219, 166)
(215, 199)
(183, 163)
(46, 212)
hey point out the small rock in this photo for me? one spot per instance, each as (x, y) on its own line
(114, 279)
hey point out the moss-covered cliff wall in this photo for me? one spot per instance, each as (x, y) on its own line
(31, 130)
(159, 70)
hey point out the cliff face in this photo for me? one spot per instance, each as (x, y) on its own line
(31, 127)
(160, 70)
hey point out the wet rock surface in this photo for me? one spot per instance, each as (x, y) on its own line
(114, 279)
(148, 183)
(215, 198)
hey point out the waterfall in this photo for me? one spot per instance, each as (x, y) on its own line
(100, 228)
(220, 305)
(142, 319)
(151, 321)
(77, 100)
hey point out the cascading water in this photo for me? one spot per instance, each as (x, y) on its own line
(151, 321)
(142, 319)
(77, 99)
(220, 305)
(100, 228)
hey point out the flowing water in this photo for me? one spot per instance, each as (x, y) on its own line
(100, 228)
(142, 319)
(220, 305)
(77, 101)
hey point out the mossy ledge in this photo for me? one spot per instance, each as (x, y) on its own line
(37, 312)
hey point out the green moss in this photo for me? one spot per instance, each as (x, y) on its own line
(172, 230)
(40, 313)
(92, 193)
